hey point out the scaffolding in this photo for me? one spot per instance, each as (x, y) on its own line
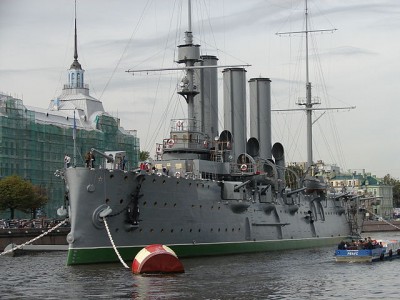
(34, 150)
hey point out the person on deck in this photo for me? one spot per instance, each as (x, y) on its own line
(87, 159)
(67, 161)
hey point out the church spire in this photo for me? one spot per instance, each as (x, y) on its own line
(76, 65)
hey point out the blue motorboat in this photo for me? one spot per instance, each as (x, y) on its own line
(367, 251)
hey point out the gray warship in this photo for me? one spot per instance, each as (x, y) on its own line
(209, 192)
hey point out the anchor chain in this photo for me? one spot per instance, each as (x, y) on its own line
(36, 238)
(112, 243)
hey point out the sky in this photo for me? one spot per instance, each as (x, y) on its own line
(356, 65)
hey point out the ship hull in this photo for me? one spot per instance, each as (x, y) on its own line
(191, 216)
(78, 256)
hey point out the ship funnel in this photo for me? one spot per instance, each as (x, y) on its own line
(225, 139)
(234, 81)
(253, 147)
(279, 155)
(206, 103)
(260, 114)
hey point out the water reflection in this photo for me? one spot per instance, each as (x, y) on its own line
(298, 274)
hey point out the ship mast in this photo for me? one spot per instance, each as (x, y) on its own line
(189, 54)
(309, 103)
(75, 60)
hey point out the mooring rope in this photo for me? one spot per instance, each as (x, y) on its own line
(34, 239)
(112, 243)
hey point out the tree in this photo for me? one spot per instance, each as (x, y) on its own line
(389, 180)
(15, 194)
(19, 194)
(39, 199)
(144, 155)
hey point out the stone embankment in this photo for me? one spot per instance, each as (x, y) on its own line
(20, 236)
(375, 226)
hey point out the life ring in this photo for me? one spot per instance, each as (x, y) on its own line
(228, 145)
(243, 168)
(170, 142)
(177, 174)
(159, 150)
(205, 144)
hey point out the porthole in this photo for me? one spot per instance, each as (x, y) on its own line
(112, 175)
(151, 230)
(107, 200)
(154, 180)
(121, 201)
(144, 203)
(190, 230)
(172, 230)
(155, 203)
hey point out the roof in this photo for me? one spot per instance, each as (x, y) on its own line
(364, 179)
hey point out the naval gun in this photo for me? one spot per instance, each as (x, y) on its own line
(109, 157)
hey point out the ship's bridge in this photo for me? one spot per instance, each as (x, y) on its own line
(186, 136)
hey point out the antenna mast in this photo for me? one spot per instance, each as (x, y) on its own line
(308, 104)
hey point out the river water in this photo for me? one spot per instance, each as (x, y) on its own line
(297, 274)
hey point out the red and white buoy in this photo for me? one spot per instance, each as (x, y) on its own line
(157, 259)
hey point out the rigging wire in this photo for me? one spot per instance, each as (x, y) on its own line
(149, 142)
(126, 48)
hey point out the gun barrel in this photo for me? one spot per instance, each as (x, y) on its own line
(295, 191)
(109, 158)
(237, 187)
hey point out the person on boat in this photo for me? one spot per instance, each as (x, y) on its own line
(342, 245)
